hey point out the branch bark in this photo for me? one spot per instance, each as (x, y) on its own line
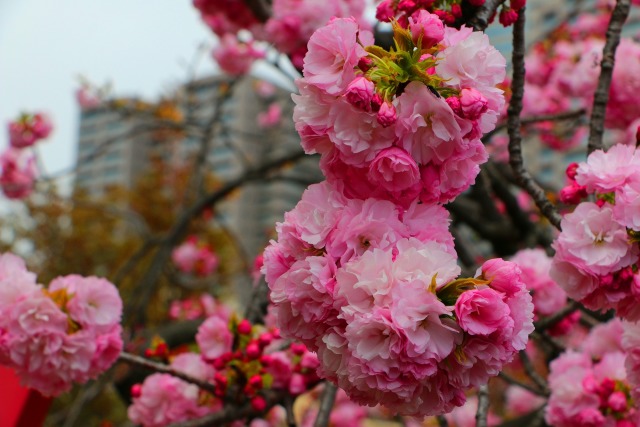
(598, 112)
(327, 399)
(480, 21)
(524, 178)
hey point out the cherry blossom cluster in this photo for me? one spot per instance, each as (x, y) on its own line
(596, 260)
(17, 162)
(400, 124)
(195, 257)
(548, 296)
(239, 359)
(562, 76)
(364, 271)
(288, 29)
(68, 333)
(372, 289)
(590, 386)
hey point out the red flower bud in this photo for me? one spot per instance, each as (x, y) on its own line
(244, 327)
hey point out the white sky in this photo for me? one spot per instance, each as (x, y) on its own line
(141, 46)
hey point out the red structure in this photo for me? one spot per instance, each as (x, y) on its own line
(20, 406)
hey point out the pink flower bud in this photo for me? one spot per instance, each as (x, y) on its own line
(387, 114)
(572, 170)
(244, 327)
(258, 403)
(255, 382)
(476, 3)
(617, 401)
(253, 350)
(456, 10)
(573, 193)
(517, 4)
(384, 11)
(428, 26)
(508, 16)
(376, 102)
(298, 349)
(473, 103)
(365, 64)
(407, 6)
(136, 390)
(360, 93)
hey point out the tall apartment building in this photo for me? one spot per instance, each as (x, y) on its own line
(114, 150)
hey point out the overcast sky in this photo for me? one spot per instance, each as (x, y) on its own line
(141, 46)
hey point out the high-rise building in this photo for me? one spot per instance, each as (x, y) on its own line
(114, 150)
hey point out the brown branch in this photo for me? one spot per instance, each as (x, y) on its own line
(483, 406)
(165, 369)
(531, 372)
(598, 112)
(327, 400)
(565, 115)
(550, 321)
(510, 380)
(135, 311)
(480, 21)
(524, 178)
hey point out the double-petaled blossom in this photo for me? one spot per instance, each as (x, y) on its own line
(68, 333)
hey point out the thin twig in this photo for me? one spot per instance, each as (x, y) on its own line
(327, 399)
(524, 178)
(165, 369)
(550, 321)
(149, 281)
(531, 372)
(565, 115)
(510, 380)
(598, 112)
(483, 406)
(288, 407)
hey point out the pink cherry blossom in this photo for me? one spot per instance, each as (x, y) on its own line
(272, 117)
(234, 57)
(18, 173)
(333, 54)
(214, 337)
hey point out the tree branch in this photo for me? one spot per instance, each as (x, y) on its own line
(524, 178)
(480, 21)
(327, 399)
(165, 369)
(135, 312)
(483, 406)
(598, 112)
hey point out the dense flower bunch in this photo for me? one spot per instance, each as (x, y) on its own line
(590, 387)
(164, 399)
(364, 271)
(17, 163)
(548, 296)
(195, 257)
(68, 333)
(240, 359)
(597, 251)
(288, 29)
(400, 124)
(563, 75)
